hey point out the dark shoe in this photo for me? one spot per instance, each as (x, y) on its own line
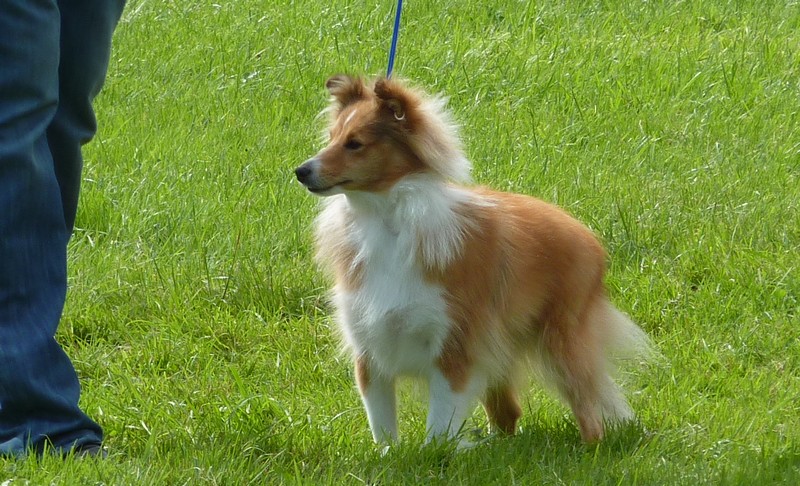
(91, 450)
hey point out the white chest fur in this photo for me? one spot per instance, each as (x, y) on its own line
(394, 315)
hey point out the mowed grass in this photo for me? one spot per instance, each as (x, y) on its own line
(199, 323)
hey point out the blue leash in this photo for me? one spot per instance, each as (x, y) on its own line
(394, 38)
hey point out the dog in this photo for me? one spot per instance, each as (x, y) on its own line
(463, 286)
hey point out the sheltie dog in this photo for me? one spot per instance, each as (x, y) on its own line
(462, 286)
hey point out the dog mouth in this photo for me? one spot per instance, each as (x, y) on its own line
(308, 174)
(325, 189)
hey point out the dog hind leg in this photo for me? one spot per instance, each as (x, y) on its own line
(502, 408)
(576, 366)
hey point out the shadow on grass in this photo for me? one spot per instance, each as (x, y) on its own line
(541, 454)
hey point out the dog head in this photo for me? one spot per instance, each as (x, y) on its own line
(378, 134)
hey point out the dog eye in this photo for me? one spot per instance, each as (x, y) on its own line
(353, 144)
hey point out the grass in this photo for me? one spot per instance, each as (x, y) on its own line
(198, 321)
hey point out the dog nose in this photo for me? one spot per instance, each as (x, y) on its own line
(303, 172)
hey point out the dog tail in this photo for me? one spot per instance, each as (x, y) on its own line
(624, 340)
(625, 345)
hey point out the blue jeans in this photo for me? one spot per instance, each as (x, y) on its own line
(53, 60)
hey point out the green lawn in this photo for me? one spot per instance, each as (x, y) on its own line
(198, 322)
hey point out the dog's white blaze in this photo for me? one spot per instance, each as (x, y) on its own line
(349, 118)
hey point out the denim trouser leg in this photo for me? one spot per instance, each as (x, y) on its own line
(86, 30)
(45, 116)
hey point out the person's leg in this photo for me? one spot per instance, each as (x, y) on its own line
(86, 30)
(39, 389)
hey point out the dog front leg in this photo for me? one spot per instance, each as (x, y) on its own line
(380, 402)
(448, 408)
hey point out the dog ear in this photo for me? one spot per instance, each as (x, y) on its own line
(345, 89)
(393, 97)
